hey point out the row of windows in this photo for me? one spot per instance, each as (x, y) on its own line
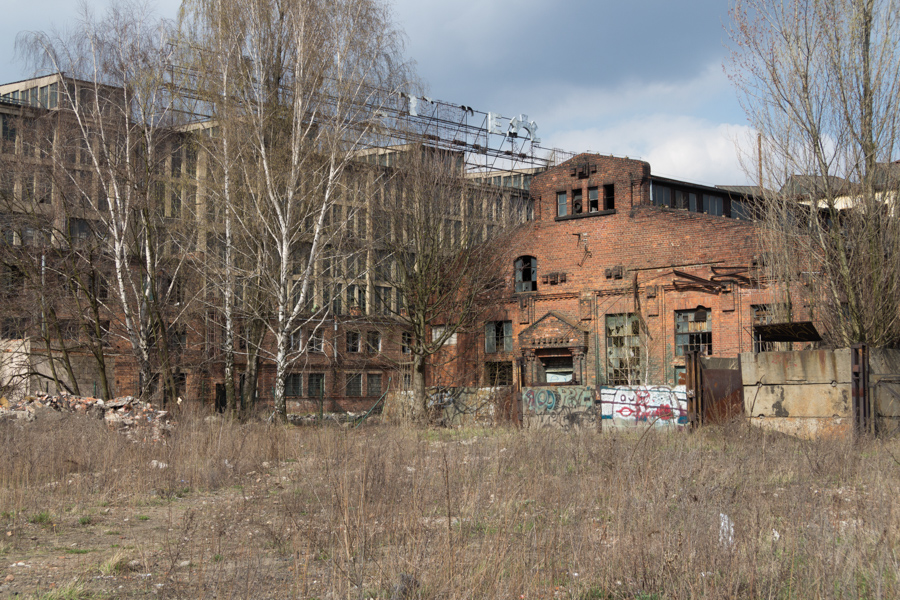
(694, 201)
(595, 202)
(45, 96)
(356, 342)
(315, 385)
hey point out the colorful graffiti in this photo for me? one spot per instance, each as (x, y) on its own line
(659, 405)
(620, 407)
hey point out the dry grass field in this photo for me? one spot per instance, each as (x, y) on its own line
(228, 510)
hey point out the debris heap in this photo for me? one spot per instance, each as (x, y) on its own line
(139, 420)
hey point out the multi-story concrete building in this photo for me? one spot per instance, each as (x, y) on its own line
(349, 349)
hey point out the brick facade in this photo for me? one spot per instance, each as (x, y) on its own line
(611, 279)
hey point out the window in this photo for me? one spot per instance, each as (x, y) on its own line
(315, 385)
(14, 328)
(609, 196)
(437, 332)
(356, 296)
(661, 195)
(103, 333)
(693, 331)
(293, 384)
(354, 385)
(593, 199)
(765, 314)
(316, 340)
(624, 356)
(352, 341)
(498, 336)
(7, 129)
(526, 274)
(577, 203)
(373, 342)
(68, 329)
(558, 369)
(740, 209)
(712, 205)
(406, 342)
(373, 384)
(561, 204)
(79, 230)
(12, 278)
(382, 300)
(297, 341)
(498, 373)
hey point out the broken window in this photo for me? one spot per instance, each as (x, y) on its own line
(498, 336)
(315, 341)
(561, 204)
(577, 203)
(406, 342)
(352, 341)
(624, 354)
(373, 342)
(609, 196)
(526, 274)
(373, 384)
(593, 199)
(498, 373)
(693, 331)
(315, 385)
(293, 384)
(354, 385)
(766, 314)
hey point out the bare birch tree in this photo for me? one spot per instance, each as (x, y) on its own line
(117, 95)
(307, 81)
(820, 82)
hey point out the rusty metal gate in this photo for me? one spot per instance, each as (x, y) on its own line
(715, 392)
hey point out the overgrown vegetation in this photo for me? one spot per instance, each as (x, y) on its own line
(378, 512)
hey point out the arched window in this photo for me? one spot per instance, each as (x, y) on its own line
(526, 274)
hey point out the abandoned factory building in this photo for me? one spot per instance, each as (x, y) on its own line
(618, 276)
(614, 276)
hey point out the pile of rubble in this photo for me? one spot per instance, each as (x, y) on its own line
(138, 420)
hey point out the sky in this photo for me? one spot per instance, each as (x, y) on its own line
(639, 78)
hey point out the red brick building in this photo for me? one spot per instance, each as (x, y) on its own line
(617, 277)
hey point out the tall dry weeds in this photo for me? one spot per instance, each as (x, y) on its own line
(382, 512)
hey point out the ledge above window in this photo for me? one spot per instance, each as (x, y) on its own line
(598, 213)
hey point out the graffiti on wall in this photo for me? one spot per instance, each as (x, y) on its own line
(620, 407)
(659, 405)
(552, 399)
(559, 406)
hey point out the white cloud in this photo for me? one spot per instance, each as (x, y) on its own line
(677, 146)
